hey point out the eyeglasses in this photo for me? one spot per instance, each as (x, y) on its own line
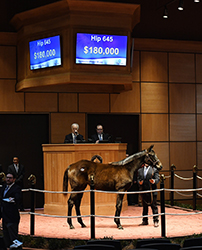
(7, 177)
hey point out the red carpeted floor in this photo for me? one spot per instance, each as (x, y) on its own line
(176, 225)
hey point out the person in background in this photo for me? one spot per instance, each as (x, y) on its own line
(74, 136)
(19, 171)
(148, 178)
(100, 135)
(1, 175)
(10, 196)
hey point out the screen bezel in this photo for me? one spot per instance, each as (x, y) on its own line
(97, 67)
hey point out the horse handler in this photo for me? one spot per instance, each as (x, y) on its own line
(148, 178)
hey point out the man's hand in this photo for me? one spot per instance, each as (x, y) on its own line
(152, 181)
(141, 182)
(11, 199)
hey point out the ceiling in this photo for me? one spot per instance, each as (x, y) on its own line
(181, 25)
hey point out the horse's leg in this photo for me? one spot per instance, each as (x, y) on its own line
(77, 207)
(118, 210)
(70, 206)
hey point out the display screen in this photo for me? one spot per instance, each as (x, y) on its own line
(45, 53)
(101, 49)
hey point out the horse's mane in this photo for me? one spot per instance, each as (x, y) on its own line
(130, 158)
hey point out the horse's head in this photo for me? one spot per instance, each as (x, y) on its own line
(152, 159)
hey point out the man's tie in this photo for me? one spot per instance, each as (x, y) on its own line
(16, 168)
(6, 190)
(145, 171)
(100, 137)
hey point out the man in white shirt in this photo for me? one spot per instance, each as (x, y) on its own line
(74, 136)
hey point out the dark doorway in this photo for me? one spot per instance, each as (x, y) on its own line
(122, 126)
(22, 135)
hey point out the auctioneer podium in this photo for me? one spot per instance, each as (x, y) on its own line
(57, 157)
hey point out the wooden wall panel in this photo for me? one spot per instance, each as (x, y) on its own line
(154, 98)
(198, 68)
(68, 102)
(22, 59)
(41, 102)
(8, 38)
(199, 98)
(162, 151)
(154, 66)
(199, 155)
(182, 98)
(136, 66)
(199, 126)
(94, 103)
(182, 127)
(7, 62)
(61, 125)
(183, 155)
(128, 101)
(181, 67)
(154, 127)
(9, 99)
(167, 45)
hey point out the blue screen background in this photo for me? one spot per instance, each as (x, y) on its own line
(45, 52)
(85, 41)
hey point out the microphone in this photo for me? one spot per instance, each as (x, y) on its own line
(75, 132)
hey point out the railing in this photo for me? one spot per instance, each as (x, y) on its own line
(92, 216)
(193, 178)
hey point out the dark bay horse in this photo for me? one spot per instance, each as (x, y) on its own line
(115, 176)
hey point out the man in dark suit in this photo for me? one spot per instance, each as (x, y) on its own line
(19, 171)
(74, 136)
(148, 178)
(100, 135)
(10, 195)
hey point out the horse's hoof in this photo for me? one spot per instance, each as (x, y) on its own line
(83, 225)
(71, 227)
(120, 227)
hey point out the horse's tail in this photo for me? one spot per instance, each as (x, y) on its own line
(65, 181)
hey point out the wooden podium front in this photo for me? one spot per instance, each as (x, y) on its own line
(57, 157)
